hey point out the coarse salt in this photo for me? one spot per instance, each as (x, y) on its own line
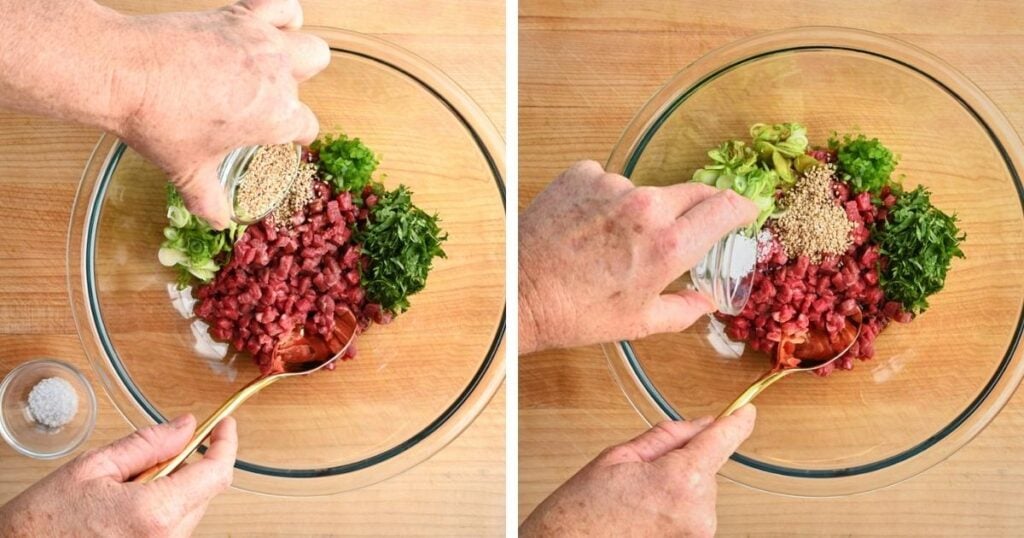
(744, 256)
(765, 245)
(53, 402)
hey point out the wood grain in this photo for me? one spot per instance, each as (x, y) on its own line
(458, 492)
(585, 68)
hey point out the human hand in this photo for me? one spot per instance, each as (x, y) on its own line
(93, 495)
(596, 254)
(213, 81)
(661, 483)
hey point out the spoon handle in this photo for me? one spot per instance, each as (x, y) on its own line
(203, 430)
(763, 382)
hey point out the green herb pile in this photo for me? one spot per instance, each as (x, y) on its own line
(402, 242)
(756, 171)
(190, 245)
(865, 164)
(920, 242)
(400, 239)
(346, 164)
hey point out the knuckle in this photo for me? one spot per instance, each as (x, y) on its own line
(225, 478)
(279, 122)
(237, 9)
(87, 460)
(640, 200)
(665, 428)
(667, 243)
(614, 454)
(734, 202)
(321, 52)
(611, 183)
(696, 482)
(277, 61)
(702, 190)
(588, 167)
(147, 437)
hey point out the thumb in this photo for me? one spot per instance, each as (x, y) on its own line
(144, 448)
(674, 312)
(305, 124)
(202, 480)
(656, 442)
(204, 196)
(711, 448)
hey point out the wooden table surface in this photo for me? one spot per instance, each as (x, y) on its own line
(459, 491)
(585, 68)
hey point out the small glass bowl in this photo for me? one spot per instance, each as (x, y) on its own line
(232, 173)
(726, 273)
(22, 432)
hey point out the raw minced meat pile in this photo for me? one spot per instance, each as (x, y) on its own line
(292, 277)
(841, 242)
(340, 241)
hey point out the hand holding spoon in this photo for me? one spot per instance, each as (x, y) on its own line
(298, 356)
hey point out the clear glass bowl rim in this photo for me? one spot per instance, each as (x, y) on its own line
(254, 477)
(626, 368)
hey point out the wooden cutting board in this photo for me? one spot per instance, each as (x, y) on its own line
(459, 491)
(585, 69)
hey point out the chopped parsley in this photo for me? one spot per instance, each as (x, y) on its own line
(401, 241)
(920, 242)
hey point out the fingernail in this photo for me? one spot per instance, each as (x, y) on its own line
(181, 421)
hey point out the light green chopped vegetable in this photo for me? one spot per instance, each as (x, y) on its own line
(190, 245)
(780, 144)
(756, 171)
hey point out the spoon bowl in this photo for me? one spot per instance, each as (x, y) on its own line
(811, 348)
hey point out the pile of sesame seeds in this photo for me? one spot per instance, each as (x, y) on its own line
(812, 224)
(270, 171)
(298, 196)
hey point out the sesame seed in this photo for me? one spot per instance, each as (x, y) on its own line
(270, 171)
(812, 223)
(300, 194)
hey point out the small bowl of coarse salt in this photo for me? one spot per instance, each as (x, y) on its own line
(726, 272)
(47, 409)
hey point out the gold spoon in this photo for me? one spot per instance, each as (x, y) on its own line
(344, 333)
(771, 376)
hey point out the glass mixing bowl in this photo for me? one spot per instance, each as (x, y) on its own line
(416, 383)
(934, 383)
